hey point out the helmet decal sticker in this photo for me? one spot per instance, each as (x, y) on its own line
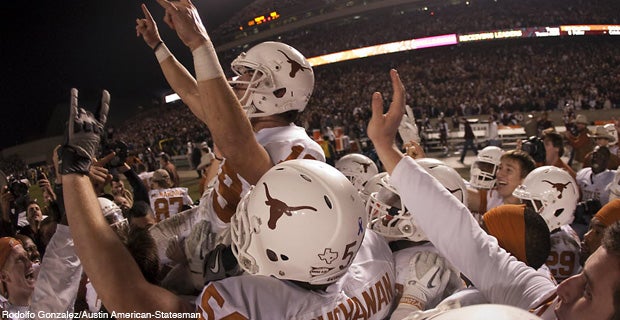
(295, 66)
(364, 164)
(277, 208)
(560, 187)
(360, 226)
(328, 255)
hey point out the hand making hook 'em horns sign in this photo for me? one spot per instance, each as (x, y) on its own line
(183, 17)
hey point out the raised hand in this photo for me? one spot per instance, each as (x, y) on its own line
(382, 128)
(83, 135)
(183, 17)
(147, 28)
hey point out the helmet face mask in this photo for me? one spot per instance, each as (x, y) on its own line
(310, 235)
(485, 167)
(280, 79)
(112, 213)
(388, 216)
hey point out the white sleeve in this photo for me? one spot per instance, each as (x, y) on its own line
(458, 237)
(58, 281)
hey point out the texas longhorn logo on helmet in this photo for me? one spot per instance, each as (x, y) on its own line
(560, 187)
(365, 165)
(295, 66)
(277, 208)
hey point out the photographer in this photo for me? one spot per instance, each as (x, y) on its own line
(15, 199)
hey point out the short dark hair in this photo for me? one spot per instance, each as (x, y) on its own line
(611, 243)
(140, 209)
(525, 160)
(143, 249)
(556, 140)
(164, 156)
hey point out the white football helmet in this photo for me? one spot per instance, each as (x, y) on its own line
(611, 129)
(112, 212)
(372, 185)
(552, 192)
(310, 233)
(282, 79)
(482, 171)
(358, 168)
(388, 216)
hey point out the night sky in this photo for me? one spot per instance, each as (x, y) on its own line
(49, 47)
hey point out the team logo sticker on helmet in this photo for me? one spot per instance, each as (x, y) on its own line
(295, 66)
(365, 165)
(277, 208)
(560, 187)
(328, 255)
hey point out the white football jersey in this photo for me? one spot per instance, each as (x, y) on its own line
(494, 199)
(366, 291)
(563, 260)
(168, 202)
(282, 143)
(595, 186)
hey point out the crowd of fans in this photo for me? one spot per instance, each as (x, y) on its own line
(418, 20)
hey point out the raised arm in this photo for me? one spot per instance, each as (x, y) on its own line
(229, 126)
(109, 265)
(178, 77)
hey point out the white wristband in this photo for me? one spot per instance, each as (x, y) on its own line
(206, 64)
(162, 53)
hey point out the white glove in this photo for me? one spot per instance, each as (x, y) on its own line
(408, 130)
(175, 250)
(429, 277)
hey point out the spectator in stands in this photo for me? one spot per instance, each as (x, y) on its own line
(544, 123)
(492, 133)
(443, 135)
(581, 142)
(602, 138)
(554, 150)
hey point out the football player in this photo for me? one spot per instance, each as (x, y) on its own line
(553, 193)
(499, 276)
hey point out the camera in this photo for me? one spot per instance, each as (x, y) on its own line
(120, 148)
(535, 147)
(40, 175)
(20, 192)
